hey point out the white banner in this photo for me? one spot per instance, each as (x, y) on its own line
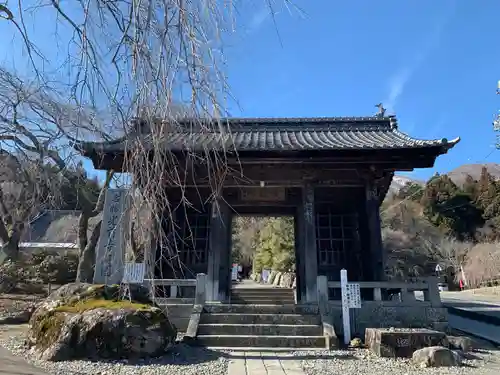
(110, 253)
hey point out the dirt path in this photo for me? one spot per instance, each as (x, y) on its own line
(11, 364)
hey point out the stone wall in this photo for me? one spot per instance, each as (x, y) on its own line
(179, 315)
(276, 278)
(385, 315)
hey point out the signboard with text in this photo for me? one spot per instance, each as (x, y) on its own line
(134, 273)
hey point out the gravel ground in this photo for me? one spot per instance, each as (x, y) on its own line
(356, 362)
(185, 360)
(181, 360)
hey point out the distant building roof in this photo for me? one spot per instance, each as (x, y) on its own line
(54, 227)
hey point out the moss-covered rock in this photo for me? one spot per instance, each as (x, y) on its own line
(92, 321)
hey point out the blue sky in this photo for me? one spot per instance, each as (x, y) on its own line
(435, 64)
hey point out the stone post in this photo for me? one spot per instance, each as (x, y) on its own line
(432, 293)
(199, 302)
(322, 287)
(200, 294)
(326, 319)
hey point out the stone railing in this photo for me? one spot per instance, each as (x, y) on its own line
(415, 304)
(173, 285)
(184, 313)
(424, 290)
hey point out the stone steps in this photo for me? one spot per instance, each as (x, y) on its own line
(238, 318)
(261, 341)
(261, 309)
(261, 318)
(273, 295)
(260, 329)
(261, 301)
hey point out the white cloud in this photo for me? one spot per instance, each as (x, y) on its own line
(396, 86)
(400, 79)
(259, 17)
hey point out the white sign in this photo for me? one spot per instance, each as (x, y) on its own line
(265, 275)
(134, 273)
(345, 306)
(354, 295)
(438, 268)
(110, 252)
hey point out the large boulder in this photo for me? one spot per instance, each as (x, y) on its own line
(93, 321)
(436, 356)
(462, 343)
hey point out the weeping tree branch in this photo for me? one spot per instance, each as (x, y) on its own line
(137, 59)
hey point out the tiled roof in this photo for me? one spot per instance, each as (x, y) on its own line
(55, 226)
(339, 133)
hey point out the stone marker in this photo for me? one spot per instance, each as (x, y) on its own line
(110, 254)
(402, 342)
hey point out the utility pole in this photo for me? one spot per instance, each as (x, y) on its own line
(496, 122)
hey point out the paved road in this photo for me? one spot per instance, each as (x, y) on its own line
(466, 307)
(14, 365)
(264, 363)
(483, 330)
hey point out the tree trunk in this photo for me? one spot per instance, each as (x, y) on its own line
(85, 271)
(10, 249)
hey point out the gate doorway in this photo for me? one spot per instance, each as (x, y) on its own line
(264, 238)
(263, 242)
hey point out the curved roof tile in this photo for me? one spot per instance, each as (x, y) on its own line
(339, 133)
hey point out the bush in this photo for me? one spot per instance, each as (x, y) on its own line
(38, 268)
(483, 265)
(54, 268)
(9, 277)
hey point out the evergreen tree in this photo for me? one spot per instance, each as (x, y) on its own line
(276, 245)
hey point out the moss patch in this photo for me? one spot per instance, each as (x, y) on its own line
(99, 296)
(47, 328)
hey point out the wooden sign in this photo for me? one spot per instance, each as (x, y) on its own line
(263, 194)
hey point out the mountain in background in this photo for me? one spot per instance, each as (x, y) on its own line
(457, 175)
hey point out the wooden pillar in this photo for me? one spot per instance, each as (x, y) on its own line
(225, 245)
(310, 254)
(218, 252)
(300, 287)
(375, 231)
(150, 251)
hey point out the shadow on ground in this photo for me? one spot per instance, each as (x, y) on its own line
(180, 355)
(302, 356)
(184, 355)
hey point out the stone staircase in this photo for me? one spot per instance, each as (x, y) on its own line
(263, 296)
(261, 318)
